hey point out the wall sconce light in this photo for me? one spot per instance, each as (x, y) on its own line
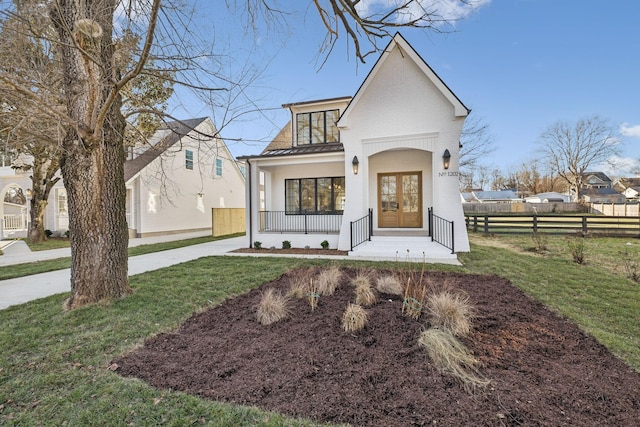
(355, 163)
(446, 158)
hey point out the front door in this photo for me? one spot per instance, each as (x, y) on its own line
(400, 200)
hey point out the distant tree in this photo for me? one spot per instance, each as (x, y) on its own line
(570, 149)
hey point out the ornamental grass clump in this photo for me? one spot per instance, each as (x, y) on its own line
(354, 318)
(389, 284)
(415, 292)
(451, 311)
(365, 295)
(451, 357)
(329, 280)
(312, 295)
(272, 307)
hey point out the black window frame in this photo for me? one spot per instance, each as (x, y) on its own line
(300, 210)
(309, 137)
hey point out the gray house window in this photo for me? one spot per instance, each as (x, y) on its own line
(188, 159)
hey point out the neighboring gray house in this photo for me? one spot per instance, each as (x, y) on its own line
(602, 195)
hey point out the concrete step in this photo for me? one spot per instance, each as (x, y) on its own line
(403, 248)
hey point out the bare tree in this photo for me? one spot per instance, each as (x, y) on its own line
(570, 149)
(94, 81)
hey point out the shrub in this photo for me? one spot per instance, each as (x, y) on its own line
(354, 318)
(328, 280)
(272, 307)
(257, 244)
(540, 241)
(324, 244)
(577, 246)
(286, 244)
(389, 284)
(631, 265)
(451, 311)
(48, 232)
(451, 356)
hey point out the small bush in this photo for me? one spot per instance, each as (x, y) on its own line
(577, 246)
(389, 285)
(540, 242)
(451, 311)
(328, 280)
(631, 265)
(451, 356)
(354, 318)
(324, 244)
(257, 245)
(286, 244)
(272, 307)
(48, 232)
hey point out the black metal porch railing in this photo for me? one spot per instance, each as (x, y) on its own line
(441, 231)
(284, 222)
(362, 229)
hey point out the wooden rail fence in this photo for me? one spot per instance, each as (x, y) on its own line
(555, 224)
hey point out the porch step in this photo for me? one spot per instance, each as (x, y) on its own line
(403, 249)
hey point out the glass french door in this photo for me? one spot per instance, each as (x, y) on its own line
(400, 200)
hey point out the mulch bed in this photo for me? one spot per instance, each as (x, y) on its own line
(544, 370)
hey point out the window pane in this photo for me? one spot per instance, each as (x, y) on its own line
(324, 195)
(410, 193)
(338, 194)
(317, 128)
(333, 135)
(302, 127)
(291, 195)
(219, 167)
(308, 201)
(188, 159)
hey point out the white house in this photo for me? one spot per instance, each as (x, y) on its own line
(173, 181)
(383, 163)
(549, 197)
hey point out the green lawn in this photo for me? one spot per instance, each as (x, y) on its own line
(53, 365)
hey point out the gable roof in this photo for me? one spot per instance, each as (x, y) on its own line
(600, 176)
(173, 132)
(399, 42)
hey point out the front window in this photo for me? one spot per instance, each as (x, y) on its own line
(314, 195)
(318, 127)
(219, 167)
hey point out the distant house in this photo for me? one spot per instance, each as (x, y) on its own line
(602, 195)
(595, 180)
(630, 187)
(550, 197)
(502, 196)
(172, 182)
(382, 163)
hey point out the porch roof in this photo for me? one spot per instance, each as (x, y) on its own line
(293, 151)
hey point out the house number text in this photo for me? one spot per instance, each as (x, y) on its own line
(448, 173)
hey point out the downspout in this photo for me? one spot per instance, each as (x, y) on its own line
(250, 204)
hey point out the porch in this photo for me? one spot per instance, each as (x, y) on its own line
(403, 248)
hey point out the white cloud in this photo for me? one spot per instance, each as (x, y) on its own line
(627, 130)
(616, 167)
(448, 11)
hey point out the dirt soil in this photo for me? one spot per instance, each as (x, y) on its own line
(544, 371)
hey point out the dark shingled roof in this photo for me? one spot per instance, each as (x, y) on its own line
(178, 130)
(282, 140)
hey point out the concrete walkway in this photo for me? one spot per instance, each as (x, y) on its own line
(23, 289)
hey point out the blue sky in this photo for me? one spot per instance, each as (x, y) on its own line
(520, 65)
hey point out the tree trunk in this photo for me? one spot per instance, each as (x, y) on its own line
(92, 163)
(36, 224)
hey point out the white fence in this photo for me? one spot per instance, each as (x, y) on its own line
(12, 223)
(532, 208)
(616, 209)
